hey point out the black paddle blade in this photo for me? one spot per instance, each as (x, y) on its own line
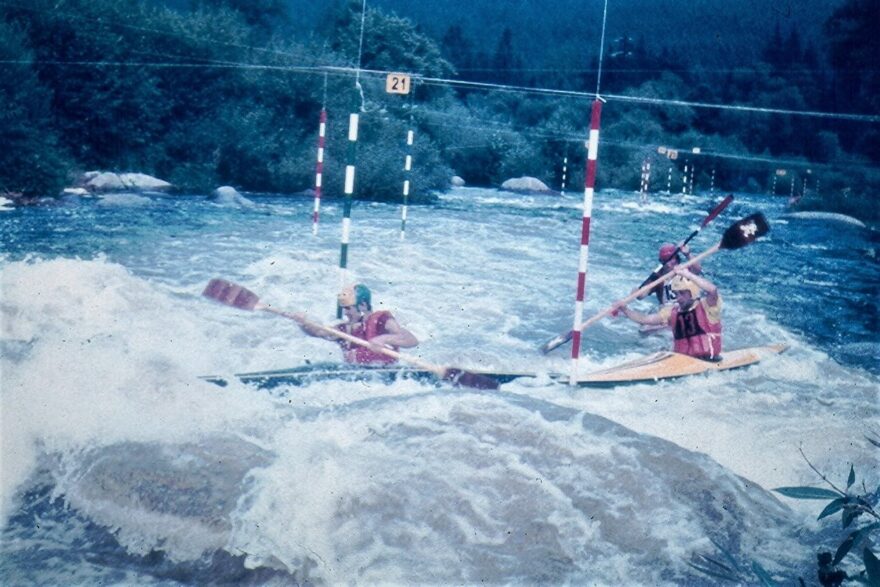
(467, 379)
(230, 294)
(745, 232)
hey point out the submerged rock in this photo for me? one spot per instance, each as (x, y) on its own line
(108, 181)
(526, 184)
(229, 196)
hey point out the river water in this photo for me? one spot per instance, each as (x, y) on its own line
(120, 465)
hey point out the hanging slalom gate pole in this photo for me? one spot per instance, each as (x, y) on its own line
(693, 172)
(319, 169)
(669, 179)
(407, 167)
(712, 183)
(564, 171)
(350, 158)
(684, 180)
(773, 187)
(319, 165)
(589, 187)
(350, 163)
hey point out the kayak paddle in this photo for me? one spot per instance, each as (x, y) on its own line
(712, 215)
(737, 235)
(237, 296)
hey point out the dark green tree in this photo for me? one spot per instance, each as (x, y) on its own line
(505, 63)
(458, 50)
(266, 16)
(851, 33)
(31, 160)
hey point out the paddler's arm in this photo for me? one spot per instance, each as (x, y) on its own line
(395, 335)
(309, 326)
(686, 251)
(704, 284)
(640, 317)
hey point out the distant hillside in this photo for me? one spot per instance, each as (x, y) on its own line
(564, 34)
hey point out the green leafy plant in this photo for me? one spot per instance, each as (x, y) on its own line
(858, 511)
(857, 507)
(726, 568)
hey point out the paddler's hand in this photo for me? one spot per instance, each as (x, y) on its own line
(685, 250)
(682, 272)
(379, 348)
(378, 344)
(617, 309)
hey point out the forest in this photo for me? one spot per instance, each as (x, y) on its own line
(204, 93)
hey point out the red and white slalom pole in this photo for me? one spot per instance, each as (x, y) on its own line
(319, 169)
(589, 187)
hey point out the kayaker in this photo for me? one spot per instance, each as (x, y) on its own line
(670, 258)
(379, 328)
(695, 320)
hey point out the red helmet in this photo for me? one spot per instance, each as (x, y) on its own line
(666, 252)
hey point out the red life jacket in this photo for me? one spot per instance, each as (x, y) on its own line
(369, 329)
(693, 333)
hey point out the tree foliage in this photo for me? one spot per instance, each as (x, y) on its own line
(219, 91)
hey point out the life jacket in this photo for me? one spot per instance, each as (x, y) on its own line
(369, 329)
(693, 333)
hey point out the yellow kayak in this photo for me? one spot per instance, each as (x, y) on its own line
(670, 365)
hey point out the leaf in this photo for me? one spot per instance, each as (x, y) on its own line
(763, 575)
(807, 492)
(872, 567)
(852, 477)
(850, 514)
(714, 573)
(726, 554)
(851, 541)
(844, 548)
(711, 560)
(833, 507)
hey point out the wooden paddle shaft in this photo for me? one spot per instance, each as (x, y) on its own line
(436, 369)
(715, 212)
(647, 288)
